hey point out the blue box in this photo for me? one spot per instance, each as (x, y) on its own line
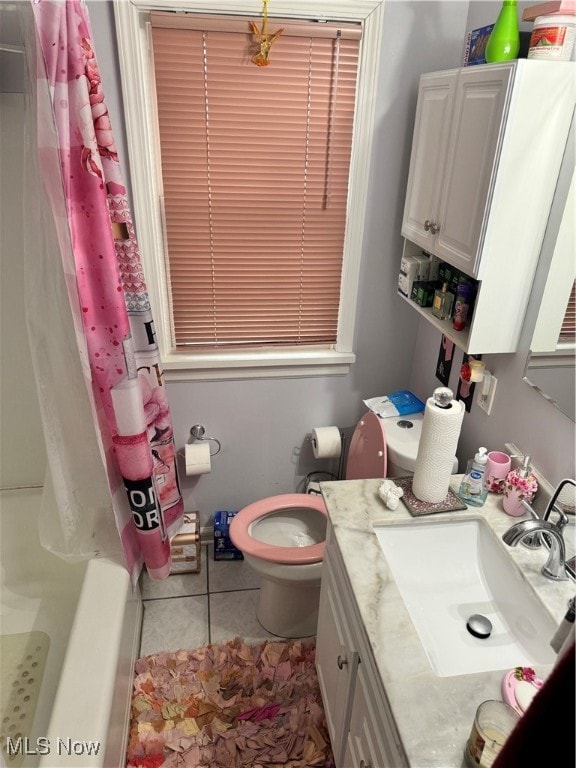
(223, 547)
(476, 45)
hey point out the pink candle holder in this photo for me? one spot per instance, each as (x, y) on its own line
(497, 468)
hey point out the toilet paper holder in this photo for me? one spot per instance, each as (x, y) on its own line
(197, 432)
(343, 443)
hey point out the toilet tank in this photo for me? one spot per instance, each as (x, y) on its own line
(385, 447)
(402, 439)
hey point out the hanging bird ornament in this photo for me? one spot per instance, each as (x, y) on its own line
(264, 40)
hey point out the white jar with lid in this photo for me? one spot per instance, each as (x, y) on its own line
(553, 38)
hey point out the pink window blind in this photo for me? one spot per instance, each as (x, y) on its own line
(255, 165)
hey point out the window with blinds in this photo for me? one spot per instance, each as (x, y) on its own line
(255, 164)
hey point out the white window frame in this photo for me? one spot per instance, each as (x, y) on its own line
(133, 42)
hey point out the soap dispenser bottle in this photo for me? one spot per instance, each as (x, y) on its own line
(521, 485)
(472, 490)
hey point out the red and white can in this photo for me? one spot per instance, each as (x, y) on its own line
(553, 38)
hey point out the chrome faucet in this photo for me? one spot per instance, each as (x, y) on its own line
(555, 505)
(535, 540)
(555, 567)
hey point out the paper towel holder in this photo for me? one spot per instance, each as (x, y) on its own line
(198, 431)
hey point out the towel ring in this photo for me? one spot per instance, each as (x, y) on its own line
(198, 431)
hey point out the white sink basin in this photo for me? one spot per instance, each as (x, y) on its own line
(447, 571)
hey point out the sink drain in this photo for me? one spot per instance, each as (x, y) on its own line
(479, 626)
(23, 658)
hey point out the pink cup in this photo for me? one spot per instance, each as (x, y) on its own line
(497, 467)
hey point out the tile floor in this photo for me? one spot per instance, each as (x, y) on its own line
(193, 609)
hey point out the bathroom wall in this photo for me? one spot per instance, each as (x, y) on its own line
(263, 424)
(22, 452)
(482, 12)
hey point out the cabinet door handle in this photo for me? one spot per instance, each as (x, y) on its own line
(427, 225)
(364, 764)
(341, 662)
(434, 228)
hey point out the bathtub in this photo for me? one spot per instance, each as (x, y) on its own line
(83, 621)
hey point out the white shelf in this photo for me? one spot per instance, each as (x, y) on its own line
(460, 338)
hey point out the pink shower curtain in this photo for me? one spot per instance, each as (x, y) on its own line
(127, 384)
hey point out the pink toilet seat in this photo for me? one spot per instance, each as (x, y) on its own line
(366, 459)
(243, 541)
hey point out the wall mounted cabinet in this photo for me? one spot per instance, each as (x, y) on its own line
(360, 722)
(487, 147)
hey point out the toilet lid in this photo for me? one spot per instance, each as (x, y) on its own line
(367, 453)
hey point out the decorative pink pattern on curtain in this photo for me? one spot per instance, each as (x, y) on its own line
(127, 381)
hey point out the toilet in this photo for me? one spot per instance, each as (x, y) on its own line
(282, 537)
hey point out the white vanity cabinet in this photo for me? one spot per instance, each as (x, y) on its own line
(336, 660)
(487, 147)
(360, 723)
(372, 740)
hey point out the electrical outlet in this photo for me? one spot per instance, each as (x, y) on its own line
(486, 394)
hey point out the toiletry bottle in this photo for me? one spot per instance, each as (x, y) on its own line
(504, 41)
(442, 306)
(462, 305)
(521, 485)
(566, 626)
(472, 489)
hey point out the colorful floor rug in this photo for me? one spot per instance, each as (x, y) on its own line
(229, 706)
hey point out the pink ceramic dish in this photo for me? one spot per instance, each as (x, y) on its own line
(519, 687)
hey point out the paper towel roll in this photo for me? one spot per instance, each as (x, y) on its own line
(436, 450)
(197, 457)
(326, 442)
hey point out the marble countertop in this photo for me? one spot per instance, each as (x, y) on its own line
(433, 714)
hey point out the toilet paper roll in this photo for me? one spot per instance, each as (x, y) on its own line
(326, 442)
(436, 450)
(197, 457)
